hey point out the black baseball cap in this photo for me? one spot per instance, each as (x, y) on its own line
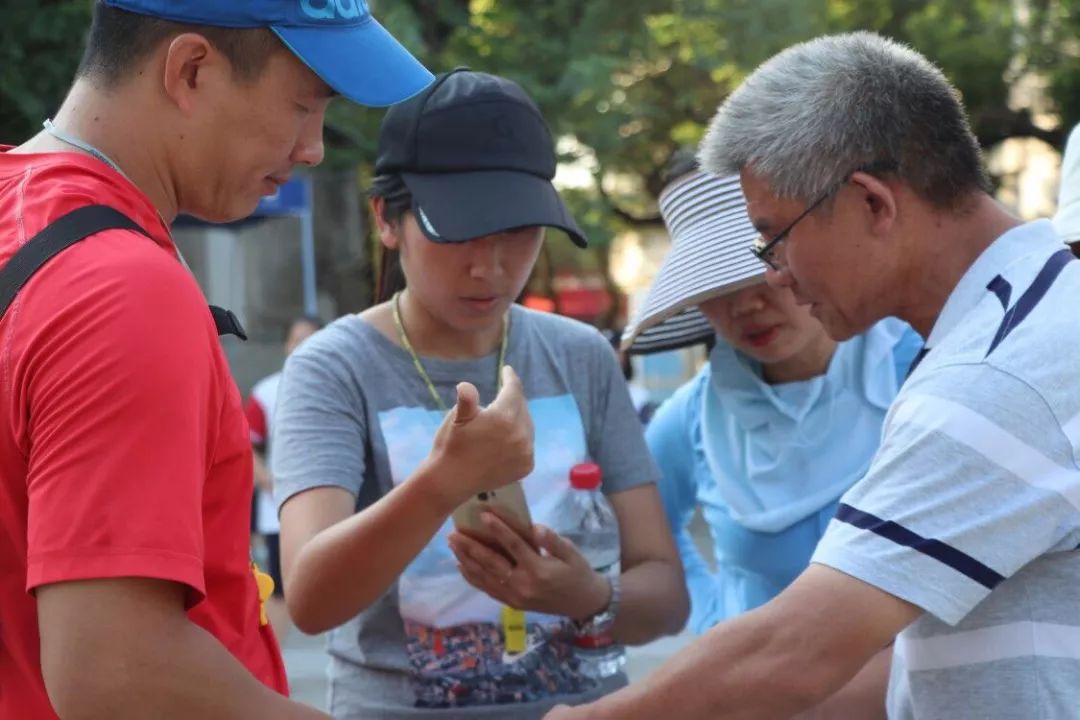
(477, 157)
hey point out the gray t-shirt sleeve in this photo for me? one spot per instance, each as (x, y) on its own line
(616, 436)
(974, 480)
(319, 425)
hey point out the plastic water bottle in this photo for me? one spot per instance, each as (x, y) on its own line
(588, 520)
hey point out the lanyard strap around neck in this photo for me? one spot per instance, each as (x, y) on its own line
(97, 154)
(81, 144)
(404, 338)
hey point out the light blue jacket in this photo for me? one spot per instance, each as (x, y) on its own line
(739, 481)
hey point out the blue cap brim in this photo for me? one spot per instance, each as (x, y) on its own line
(364, 62)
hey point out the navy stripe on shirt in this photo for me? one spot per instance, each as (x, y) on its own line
(957, 560)
(1031, 297)
(1001, 287)
(918, 359)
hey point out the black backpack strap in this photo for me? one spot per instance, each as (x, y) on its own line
(59, 235)
(227, 323)
(64, 232)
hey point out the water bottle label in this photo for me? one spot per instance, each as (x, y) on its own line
(591, 637)
(594, 642)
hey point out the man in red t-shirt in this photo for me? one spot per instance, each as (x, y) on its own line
(126, 588)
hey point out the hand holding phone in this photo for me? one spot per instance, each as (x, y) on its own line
(541, 572)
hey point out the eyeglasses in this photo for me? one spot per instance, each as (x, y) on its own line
(766, 250)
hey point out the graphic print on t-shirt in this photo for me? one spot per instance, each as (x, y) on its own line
(454, 635)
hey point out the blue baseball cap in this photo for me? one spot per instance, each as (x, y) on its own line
(338, 39)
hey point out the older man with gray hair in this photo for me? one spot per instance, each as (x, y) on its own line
(956, 556)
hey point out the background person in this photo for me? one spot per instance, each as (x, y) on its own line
(779, 423)
(259, 409)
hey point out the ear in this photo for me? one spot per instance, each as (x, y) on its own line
(879, 202)
(190, 64)
(388, 233)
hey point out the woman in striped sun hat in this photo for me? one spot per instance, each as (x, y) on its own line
(779, 422)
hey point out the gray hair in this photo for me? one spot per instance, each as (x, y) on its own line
(819, 110)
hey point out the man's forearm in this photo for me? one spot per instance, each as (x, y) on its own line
(179, 673)
(862, 698)
(773, 662)
(742, 670)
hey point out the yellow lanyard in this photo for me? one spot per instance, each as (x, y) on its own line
(515, 633)
(420, 367)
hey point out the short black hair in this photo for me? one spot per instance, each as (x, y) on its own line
(120, 40)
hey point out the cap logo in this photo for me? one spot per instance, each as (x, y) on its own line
(427, 223)
(333, 9)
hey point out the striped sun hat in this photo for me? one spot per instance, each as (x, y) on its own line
(711, 236)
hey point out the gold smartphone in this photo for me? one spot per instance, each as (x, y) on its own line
(507, 502)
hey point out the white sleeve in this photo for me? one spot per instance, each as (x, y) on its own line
(974, 480)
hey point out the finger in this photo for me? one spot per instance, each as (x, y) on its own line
(511, 397)
(519, 550)
(481, 554)
(555, 544)
(458, 547)
(462, 539)
(518, 524)
(468, 403)
(510, 379)
(497, 588)
(476, 577)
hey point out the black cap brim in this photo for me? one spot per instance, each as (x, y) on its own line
(455, 207)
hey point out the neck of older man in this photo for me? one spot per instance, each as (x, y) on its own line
(940, 247)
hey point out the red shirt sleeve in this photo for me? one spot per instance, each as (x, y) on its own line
(256, 417)
(115, 375)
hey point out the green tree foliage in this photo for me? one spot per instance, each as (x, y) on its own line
(633, 80)
(1053, 49)
(40, 46)
(629, 81)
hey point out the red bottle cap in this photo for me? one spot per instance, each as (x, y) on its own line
(585, 476)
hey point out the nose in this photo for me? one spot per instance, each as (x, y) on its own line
(747, 301)
(309, 149)
(485, 257)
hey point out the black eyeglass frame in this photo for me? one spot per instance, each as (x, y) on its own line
(765, 251)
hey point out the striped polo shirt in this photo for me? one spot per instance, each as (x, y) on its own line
(971, 508)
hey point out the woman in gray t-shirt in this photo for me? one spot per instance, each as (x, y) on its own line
(366, 479)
